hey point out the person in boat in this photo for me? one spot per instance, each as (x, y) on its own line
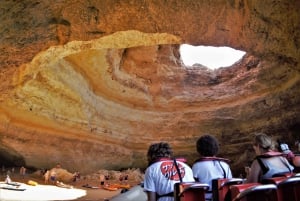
(209, 166)
(294, 159)
(267, 163)
(161, 173)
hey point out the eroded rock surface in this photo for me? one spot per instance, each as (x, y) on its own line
(91, 84)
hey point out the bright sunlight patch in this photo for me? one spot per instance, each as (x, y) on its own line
(211, 57)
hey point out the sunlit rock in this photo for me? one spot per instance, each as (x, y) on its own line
(91, 84)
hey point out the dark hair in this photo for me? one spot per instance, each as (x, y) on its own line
(159, 150)
(207, 145)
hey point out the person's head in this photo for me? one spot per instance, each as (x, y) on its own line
(159, 150)
(262, 143)
(207, 145)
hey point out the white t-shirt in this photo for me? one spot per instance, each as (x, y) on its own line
(161, 176)
(206, 171)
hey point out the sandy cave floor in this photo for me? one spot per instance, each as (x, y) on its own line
(91, 194)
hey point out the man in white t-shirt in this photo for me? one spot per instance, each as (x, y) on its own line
(209, 167)
(162, 174)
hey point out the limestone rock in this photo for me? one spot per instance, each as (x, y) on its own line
(91, 84)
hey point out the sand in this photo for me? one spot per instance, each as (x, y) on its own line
(91, 194)
(39, 192)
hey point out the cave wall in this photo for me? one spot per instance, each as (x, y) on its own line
(95, 82)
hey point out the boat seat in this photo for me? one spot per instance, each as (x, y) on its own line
(237, 189)
(274, 180)
(220, 187)
(257, 192)
(190, 191)
(289, 189)
(288, 174)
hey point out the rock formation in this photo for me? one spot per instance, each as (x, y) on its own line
(91, 84)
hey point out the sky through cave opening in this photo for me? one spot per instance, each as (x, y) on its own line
(209, 56)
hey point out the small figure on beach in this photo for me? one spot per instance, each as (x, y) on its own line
(7, 179)
(52, 176)
(22, 171)
(102, 179)
(76, 176)
(121, 178)
(107, 177)
(47, 176)
(58, 165)
(126, 178)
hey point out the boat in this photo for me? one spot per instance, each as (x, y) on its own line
(136, 193)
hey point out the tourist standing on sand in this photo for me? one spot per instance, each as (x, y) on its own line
(22, 171)
(47, 176)
(76, 176)
(126, 179)
(53, 175)
(102, 179)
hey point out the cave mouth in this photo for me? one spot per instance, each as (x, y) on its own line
(209, 56)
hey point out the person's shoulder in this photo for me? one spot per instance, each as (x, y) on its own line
(211, 159)
(270, 154)
(202, 164)
(157, 164)
(255, 164)
(183, 163)
(224, 163)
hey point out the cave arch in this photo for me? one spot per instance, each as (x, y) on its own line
(61, 97)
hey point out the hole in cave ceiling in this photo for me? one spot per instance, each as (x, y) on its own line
(209, 56)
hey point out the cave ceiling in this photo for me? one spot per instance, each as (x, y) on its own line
(96, 82)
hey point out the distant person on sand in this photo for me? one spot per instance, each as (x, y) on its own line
(102, 179)
(53, 176)
(7, 180)
(58, 165)
(107, 177)
(121, 178)
(53, 173)
(162, 174)
(126, 179)
(76, 176)
(22, 171)
(47, 176)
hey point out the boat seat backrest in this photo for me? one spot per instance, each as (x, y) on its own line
(261, 192)
(220, 187)
(289, 189)
(190, 191)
